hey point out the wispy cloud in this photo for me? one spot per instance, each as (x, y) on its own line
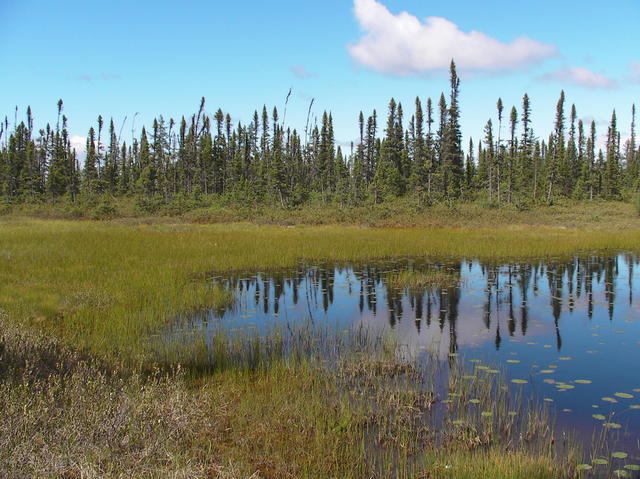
(89, 78)
(301, 72)
(634, 69)
(580, 76)
(401, 44)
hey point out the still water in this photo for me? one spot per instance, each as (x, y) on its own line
(569, 328)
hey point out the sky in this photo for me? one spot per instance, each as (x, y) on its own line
(141, 59)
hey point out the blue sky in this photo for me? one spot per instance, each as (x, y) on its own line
(120, 57)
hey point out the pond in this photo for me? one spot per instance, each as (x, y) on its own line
(565, 331)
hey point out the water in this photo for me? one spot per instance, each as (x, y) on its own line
(550, 323)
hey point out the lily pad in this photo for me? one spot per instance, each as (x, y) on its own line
(582, 381)
(608, 399)
(620, 455)
(599, 417)
(600, 462)
(584, 467)
(564, 386)
(612, 425)
(519, 381)
(624, 395)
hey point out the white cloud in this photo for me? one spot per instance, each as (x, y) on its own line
(403, 45)
(635, 71)
(301, 72)
(79, 143)
(580, 76)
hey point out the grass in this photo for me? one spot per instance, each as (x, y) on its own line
(65, 414)
(80, 395)
(421, 280)
(401, 212)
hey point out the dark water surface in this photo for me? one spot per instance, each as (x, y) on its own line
(571, 329)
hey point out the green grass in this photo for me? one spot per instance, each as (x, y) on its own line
(85, 301)
(421, 280)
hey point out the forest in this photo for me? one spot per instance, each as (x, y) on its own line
(268, 162)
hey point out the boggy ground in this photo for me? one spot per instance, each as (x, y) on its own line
(82, 395)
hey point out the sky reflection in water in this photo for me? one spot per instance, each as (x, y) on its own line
(551, 323)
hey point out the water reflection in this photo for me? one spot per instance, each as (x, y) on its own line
(505, 293)
(569, 327)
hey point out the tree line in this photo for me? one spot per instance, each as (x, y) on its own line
(265, 161)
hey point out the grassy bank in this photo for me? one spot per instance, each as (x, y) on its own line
(80, 397)
(401, 212)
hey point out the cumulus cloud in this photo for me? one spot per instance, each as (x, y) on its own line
(301, 72)
(79, 143)
(634, 67)
(580, 76)
(401, 44)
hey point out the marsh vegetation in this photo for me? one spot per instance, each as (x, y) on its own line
(87, 357)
